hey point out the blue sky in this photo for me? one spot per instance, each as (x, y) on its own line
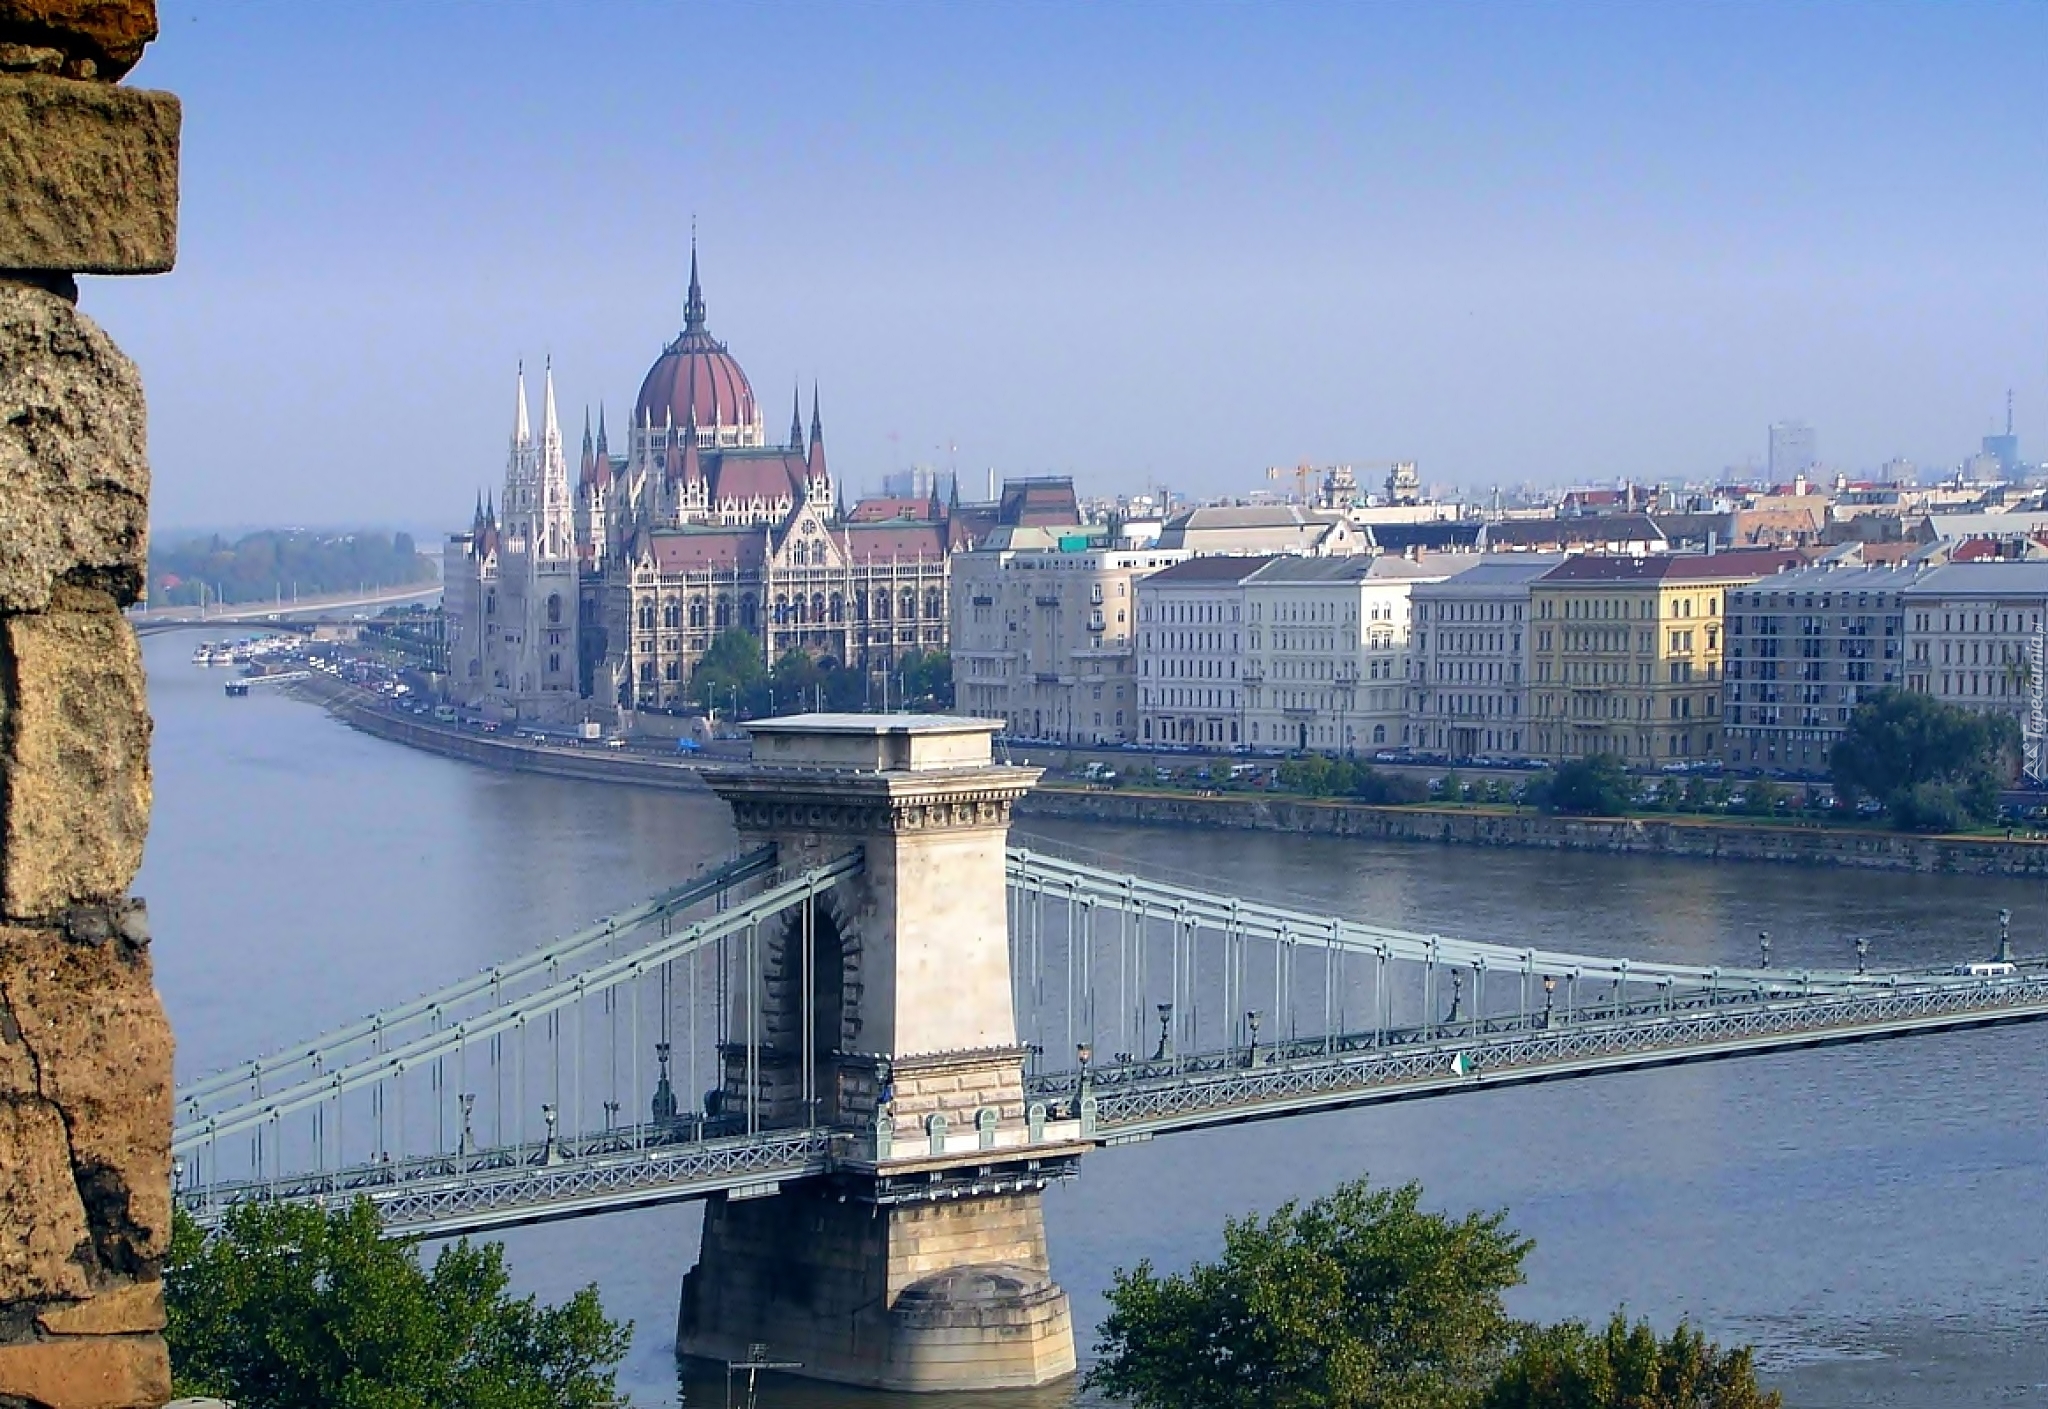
(1138, 243)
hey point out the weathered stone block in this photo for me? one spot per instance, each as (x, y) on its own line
(42, 1219)
(74, 774)
(90, 1019)
(125, 1310)
(88, 176)
(99, 38)
(109, 1372)
(74, 480)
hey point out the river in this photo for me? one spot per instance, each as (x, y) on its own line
(1874, 1219)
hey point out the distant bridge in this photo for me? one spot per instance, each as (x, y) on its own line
(326, 611)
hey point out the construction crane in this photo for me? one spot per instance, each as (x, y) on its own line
(1301, 472)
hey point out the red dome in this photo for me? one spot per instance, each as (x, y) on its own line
(695, 374)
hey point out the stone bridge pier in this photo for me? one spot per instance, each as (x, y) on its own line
(885, 1010)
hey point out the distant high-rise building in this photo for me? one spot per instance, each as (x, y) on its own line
(1792, 450)
(2005, 449)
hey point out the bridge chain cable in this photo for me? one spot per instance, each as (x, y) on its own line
(707, 885)
(395, 1061)
(1041, 872)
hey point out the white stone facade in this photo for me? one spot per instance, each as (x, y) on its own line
(1326, 658)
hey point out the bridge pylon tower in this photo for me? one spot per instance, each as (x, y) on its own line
(919, 1262)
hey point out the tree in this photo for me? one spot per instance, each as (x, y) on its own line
(1597, 786)
(730, 674)
(1568, 1366)
(1932, 766)
(927, 680)
(291, 1307)
(1354, 1301)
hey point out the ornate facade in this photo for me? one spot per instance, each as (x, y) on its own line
(701, 526)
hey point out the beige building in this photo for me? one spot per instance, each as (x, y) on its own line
(1628, 651)
(1326, 651)
(1043, 630)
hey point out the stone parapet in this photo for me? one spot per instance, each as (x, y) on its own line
(88, 177)
(88, 184)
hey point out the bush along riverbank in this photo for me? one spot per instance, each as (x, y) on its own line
(1699, 838)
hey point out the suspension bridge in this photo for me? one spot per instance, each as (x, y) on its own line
(869, 1041)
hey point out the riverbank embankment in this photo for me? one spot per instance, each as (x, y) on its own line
(1703, 839)
(370, 714)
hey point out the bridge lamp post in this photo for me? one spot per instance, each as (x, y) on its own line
(1862, 954)
(2005, 936)
(1549, 997)
(547, 1115)
(611, 1115)
(1165, 1032)
(467, 1142)
(1763, 939)
(177, 1173)
(1084, 1053)
(1457, 995)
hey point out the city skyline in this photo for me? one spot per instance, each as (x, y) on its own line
(1569, 246)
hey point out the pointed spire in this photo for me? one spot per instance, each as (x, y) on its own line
(693, 306)
(586, 431)
(796, 417)
(817, 426)
(601, 446)
(522, 433)
(549, 426)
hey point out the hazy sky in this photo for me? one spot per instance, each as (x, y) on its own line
(1165, 242)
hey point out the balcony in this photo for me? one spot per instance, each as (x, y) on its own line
(1047, 599)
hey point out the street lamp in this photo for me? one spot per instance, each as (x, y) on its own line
(1549, 996)
(1251, 1020)
(1165, 1038)
(2005, 936)
(467, 1145)
(1457, 994)
(1763, 939)
(1862, 953)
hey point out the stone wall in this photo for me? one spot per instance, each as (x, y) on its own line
(1787, 844)
(88, 184)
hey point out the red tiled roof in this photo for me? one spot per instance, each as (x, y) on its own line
(884, 541)
(879, 509)
(743, 477)
(697, 550)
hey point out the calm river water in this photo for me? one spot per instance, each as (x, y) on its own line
(1874, 1219)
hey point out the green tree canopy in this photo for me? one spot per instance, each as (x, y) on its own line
(290, 1307)
(1360, 1300)
(1933, 766)
(1597, 786)
(731, 673)
(1625, 1367)
(261, 567)
(927, 680)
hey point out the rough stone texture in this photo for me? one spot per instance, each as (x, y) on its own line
(99, 38)
(74, 484)
(77, 1372)
(88, 176)
(89, 1018)
(74, 744)
(42, 1219)
(130, 1309)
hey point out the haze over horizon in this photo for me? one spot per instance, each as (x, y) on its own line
(1559, 244)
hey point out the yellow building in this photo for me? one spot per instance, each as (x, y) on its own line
(1625, 656)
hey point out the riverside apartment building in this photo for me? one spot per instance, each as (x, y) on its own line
(1628, 652)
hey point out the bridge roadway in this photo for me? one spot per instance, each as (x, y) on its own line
(651, 1163)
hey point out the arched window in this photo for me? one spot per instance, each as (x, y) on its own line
(934, 604)
(818, 607)
(671, 613)
(908, 605)
(696, 612)
(554, 609)
(881, 606)
(723, 612)
(647, 616)
(1379, 733)
(838, 608)
(750, 612)
(490, 603)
